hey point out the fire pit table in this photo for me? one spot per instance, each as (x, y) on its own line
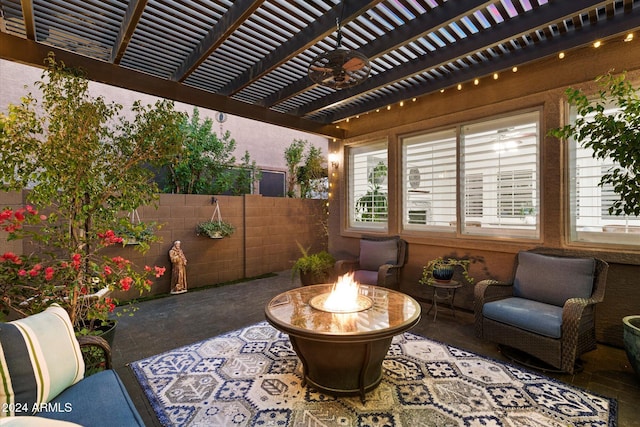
(342, 349)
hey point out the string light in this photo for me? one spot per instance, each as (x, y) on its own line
(561, 55)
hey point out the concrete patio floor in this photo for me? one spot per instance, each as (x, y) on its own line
(166, 323)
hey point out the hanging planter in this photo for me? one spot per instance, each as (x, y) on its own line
(215, 228)
(133, 231)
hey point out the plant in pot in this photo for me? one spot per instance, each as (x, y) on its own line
(137, 233)
(215, 229)
(314, 268)
(609, 124)
(442, 270)
(84, 165)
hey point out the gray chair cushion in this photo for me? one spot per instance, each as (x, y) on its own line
(533, 316)
(100, 400)
(366, 277)
(553, 280)
(374, 253)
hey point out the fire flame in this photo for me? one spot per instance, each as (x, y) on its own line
(344, 295)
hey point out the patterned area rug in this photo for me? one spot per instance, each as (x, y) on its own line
(252, 377)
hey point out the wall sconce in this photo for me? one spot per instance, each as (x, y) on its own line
(333, 159)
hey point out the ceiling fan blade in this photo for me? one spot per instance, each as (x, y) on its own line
(354, 64)
(321, 69)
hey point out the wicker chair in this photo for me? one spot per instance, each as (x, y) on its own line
(379, 263)
(548, 312)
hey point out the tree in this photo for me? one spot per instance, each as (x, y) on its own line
(293, 155)
(206, 164)
(615, 136)
(308, 177)
(312, 176)
(85, 165)
(204, 157)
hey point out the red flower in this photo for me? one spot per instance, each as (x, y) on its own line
(75, 261)
(6, 214)
(10, 256)
(19, 214)
(22, 272)
(107, 270)
(109, 238)
(48, 273)
(125, 283)
(160, 271)
(120, 262)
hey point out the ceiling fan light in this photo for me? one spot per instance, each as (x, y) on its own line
(339, 69)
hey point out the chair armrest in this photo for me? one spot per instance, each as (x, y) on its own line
(576, 313)
(486, 291)
(383, 270)
(491, 290)
(572, 312)
(346, 265)
(102, 346)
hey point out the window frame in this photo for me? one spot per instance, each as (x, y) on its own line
(378, 150)
(607, 230)
(525, 226)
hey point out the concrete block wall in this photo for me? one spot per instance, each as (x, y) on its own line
(267, 233)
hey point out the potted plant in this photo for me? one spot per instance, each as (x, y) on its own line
(615, 136)
(442, 270)
(314, 268)
(215, 229)
(84, 165)
(136, 233)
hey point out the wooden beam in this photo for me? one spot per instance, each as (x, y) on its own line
(228, 23)
(17, 49)
(315, 32)
(29, 19)
(129, 23)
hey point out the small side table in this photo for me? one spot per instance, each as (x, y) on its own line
(444, 292)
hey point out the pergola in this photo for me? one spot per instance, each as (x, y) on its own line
(250, 57)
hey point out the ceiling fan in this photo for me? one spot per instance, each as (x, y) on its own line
(339, 68)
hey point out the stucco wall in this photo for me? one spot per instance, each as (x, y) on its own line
(265, 142)
(539, 85)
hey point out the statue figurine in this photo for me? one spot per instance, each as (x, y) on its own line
(178, 269)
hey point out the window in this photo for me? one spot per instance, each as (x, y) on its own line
(589, 219)
(504, 152)
(473, 195)
(514, 193)
(430, 181)
(496, 166)
(368, 193)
